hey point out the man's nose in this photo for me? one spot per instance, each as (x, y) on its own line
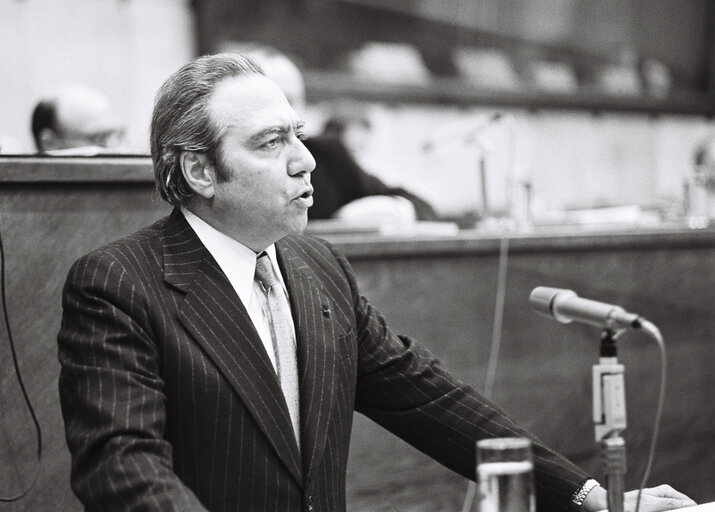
(302, 160)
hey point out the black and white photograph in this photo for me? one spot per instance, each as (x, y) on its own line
(357, 255)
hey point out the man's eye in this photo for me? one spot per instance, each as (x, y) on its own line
(271, 143)
(300, 135)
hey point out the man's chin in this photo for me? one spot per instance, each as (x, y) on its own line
(298, 226)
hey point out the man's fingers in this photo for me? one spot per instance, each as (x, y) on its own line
(663, 497)
(666, 491)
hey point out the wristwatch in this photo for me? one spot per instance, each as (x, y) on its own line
(580, 495)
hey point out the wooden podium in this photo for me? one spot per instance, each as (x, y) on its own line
(437, 289)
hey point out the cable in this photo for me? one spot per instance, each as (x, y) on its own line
(499, 301)
(498, 318)
(654, 333)
(469, 498)
(20, 381)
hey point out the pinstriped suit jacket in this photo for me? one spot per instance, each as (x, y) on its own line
(171, 403)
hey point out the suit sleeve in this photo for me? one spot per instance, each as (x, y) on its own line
(404, 388)
(111, 394)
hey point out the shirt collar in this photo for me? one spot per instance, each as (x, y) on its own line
(236, 260)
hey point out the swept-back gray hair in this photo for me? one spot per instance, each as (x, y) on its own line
(181, 121)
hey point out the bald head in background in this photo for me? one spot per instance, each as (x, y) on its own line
(75, 117)
(283, 71)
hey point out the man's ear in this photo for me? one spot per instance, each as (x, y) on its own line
(198, 173)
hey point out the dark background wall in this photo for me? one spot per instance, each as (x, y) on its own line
(585, 34)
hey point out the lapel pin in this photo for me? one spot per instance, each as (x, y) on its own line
(326, 310)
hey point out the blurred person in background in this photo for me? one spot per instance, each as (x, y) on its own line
(343, 188)
(75, 119)
(352, 128)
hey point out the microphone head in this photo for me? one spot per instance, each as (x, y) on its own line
(542, 301)
(565, 306)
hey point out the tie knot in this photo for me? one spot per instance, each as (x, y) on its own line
(264, 271)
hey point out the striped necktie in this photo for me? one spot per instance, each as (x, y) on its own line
(283, 334)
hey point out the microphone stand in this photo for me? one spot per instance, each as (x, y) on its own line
(609, 416)
(482, 167)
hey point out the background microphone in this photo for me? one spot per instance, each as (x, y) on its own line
(465, 135)
(565, 306)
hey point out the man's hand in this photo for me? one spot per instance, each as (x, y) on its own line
(654, 499)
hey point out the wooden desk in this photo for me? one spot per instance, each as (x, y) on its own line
(446, 289)
(439, 290)
(52, 210)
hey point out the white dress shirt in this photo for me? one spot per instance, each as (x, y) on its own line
(238, 262)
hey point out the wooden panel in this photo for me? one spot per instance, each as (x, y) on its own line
(336, 86)
(44, 229)
(439, 291)
(544, 370)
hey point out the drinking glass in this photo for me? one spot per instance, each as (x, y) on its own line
(505, 474)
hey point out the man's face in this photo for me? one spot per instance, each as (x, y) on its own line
(267, 192)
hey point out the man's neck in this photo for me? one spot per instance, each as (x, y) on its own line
(255, 244)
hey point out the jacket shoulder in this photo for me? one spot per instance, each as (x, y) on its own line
(311, 248)
(318, 254)
(129, 251)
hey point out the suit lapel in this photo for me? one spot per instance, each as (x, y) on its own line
(316, 351)
(218, 321)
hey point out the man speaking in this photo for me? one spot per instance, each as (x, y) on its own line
(213, 360)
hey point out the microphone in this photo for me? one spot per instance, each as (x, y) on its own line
(464, 136)
(565, 306)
